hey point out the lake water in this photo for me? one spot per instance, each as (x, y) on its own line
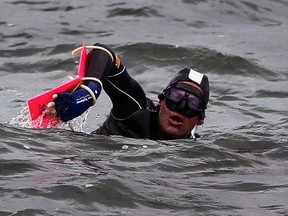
(238, 167)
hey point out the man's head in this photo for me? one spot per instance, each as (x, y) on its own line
(183, 103)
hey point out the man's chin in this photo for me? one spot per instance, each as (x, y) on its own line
(173, 133)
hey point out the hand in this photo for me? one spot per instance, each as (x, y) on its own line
(70, 105)
(50, 109)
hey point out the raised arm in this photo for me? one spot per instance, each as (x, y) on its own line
(104, 69)
(125, 93)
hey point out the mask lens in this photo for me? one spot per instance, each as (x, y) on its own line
(195, 103)
(183, 102)
(175, 95)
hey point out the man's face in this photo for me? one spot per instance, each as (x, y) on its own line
(173, 124)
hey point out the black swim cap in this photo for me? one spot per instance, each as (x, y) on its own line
(190, 75)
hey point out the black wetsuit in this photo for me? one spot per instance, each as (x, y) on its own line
(132, 115)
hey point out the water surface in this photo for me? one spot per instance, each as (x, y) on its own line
(238, 167)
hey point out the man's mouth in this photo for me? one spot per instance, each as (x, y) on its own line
(176, 120)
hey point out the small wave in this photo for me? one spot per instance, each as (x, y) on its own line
(138, 12)
(30, 2)
(201, 58)
(24, 52)
(246, 11)
(44, 6)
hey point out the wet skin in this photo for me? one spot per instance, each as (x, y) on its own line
(175, 125)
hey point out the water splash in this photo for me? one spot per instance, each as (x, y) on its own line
(23, 120)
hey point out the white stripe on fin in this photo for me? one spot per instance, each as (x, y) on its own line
(195, 76)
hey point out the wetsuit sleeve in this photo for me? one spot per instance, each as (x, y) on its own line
(126, 94)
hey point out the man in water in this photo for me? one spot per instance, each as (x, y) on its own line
(180, 109)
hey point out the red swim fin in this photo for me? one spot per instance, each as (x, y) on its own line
(37, 105)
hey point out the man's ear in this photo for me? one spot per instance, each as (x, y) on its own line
(200, 121)
(160, 103)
